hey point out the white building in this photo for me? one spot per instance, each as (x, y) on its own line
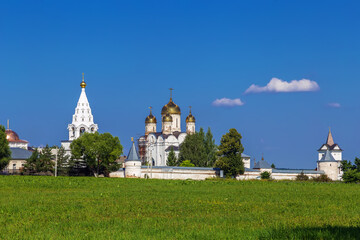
(82, 120)
(155, 146)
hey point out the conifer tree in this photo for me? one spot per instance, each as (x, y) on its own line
(5, 153)
(30, 166)
(193, 149)
(45, 160)
(210, 148)
(229, 153)
(63, 163)
(172, 159)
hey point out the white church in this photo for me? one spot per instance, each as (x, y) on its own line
(82, 120)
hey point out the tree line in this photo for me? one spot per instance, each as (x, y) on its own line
(199, 150)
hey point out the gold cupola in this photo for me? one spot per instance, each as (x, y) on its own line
(83, 84)
(190, 118)
(170, 107)
(167, 118)
(151, 118)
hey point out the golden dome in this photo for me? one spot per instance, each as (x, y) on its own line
(83, 84)
(167, 118)
(151, 118)
(11, 136)
(190, 118)
(171, 108)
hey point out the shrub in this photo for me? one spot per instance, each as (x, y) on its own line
(351, 176)
(265, 175)
(302, 177)
(322, 178)
(187, 163)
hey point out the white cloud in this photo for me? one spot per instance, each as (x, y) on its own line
(334, 105)
(278, 85)
(227, 102)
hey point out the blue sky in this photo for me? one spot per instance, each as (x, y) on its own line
(132, 51)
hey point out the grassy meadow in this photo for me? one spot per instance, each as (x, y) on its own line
(38, 207)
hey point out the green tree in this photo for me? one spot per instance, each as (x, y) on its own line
(351, 172)
(272, 165)
(172, 159)
(210, 149)
(351, 176)
(187, 163)
(31, 165)
(229, 153)
(63, 162)
(45, 161)
(346, 165)
(265, 175)
(5, 153)
(193, 149)
(99, 152)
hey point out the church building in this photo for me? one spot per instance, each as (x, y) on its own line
(154, 146)
(82, 120)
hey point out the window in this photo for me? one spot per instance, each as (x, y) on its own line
(82, 130)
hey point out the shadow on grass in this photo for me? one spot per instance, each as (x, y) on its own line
(328, 232)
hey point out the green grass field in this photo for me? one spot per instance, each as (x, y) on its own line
(104, 208)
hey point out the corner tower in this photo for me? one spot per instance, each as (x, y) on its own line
(82, 120)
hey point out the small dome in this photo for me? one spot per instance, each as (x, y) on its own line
(190, 118)
(167, 118)
(150, 119)
(171, 108)
(83, 84)
(11, 136)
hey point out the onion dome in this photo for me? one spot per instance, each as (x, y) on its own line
(151, 118)
(83, 84)
(190, 118)
(171, 108)
(11, 136)
(167, 118)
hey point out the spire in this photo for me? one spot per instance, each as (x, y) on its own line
(8, 124)
(330, 140)
(133, 155)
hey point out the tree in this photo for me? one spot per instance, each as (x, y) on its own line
(99, 152)
(172, 159)
(265, 175)
(346, 165)
(351, 172)
(193, 149)
(210, 149)
(30, 166)
(64, 164)
(40, 162)
(272, 165)
(351, 176)
(45, 160)
(5, 153)
(187, 163)
(229, 153)
(302, 177)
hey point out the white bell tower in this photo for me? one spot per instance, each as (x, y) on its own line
(83, 120)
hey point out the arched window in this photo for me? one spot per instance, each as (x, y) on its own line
(177, 123)
(82, 130)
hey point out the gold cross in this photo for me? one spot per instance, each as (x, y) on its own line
(83, 77)
(171, 89)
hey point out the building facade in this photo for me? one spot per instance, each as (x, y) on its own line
(154, 146)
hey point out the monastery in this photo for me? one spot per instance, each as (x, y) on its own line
(154, 147)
